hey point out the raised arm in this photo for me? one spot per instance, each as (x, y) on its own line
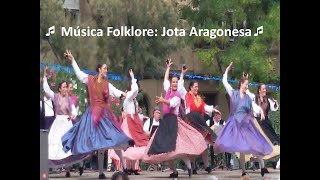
(115, 92)
(225, 81)
(181, 89)
(46, 86)
(83, 77)
(166, 82)
(274, 106)
(134, 87)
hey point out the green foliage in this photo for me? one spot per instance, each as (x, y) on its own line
(252, 54)
(143, 54)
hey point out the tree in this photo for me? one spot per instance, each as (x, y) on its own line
(84, 48)
(251, 54)
(143, 54)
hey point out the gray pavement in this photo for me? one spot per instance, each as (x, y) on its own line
(157, 175)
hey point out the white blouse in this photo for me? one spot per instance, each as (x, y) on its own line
(130, 102)
(272, 104)
(83, 77)
(50, 93)
(256, 109)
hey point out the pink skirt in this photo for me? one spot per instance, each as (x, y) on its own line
(132, 153)
(189, 143)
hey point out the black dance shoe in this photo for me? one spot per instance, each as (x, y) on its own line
(208, 169)
(135, 172)
(174, 175)
(128, 172)
(68, 174)
(102, 176)
(194, 171)
(264, 171)
(80, 171)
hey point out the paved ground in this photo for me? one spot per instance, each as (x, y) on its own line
(158, 175)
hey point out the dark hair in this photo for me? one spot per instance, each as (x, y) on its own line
(119, 174)
(69, 82)
(259, 87)
(98, 67)
(242, 80)
(192, 84)
(175, 76)
(60, 84)
(129, 85)
(122, 109)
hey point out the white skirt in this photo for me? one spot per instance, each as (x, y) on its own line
(59, 127)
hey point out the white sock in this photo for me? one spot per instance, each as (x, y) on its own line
(120, 155)
(100, 160)
(278, 164)
(261, 161)
(187, 162)
(242, 162)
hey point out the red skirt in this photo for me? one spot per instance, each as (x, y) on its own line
(135, 127)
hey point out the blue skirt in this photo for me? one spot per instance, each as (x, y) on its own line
(84, 137)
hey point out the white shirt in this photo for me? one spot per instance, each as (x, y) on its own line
(173, 102)
(129, 103)
(255, 108)
(215, 123)
(50, 93)
(253, 97)
(218, 123)
(147, 124)
(48, 107)
(83, 77)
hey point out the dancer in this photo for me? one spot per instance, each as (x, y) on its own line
(240, 134)
(267, 104)
(195, 108)
(65, 112)
(265, 126)
(173, 138)
(132, 126)
(98, 128)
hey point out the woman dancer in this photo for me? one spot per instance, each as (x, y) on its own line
(98, 128)
(195, 110)
(65, 112)
(267, 104)
(265, 126)
(132, 126)
(173, 138)
(240, 134)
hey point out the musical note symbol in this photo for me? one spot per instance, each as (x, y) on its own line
(259, 31)
(50, 31)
